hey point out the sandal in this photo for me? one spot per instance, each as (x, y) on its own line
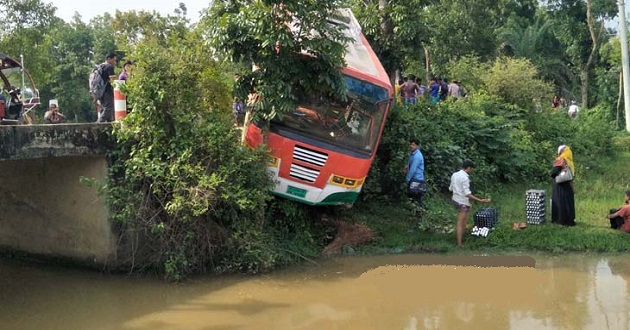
(522, 225)
(516, 226)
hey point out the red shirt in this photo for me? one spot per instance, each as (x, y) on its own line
(624, 212)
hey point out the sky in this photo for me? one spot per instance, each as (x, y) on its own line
(89, 9)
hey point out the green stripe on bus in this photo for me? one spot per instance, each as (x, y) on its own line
(332, 199)
(340, 198)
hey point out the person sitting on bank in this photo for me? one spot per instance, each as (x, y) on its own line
(53, 116)
(620, 218)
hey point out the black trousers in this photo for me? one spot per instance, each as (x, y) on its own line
(417, 193)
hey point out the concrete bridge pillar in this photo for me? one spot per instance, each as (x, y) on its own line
(46, 208)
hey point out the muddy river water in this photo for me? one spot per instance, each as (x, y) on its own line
(405, 292)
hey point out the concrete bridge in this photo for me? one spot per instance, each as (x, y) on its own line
(45, 207)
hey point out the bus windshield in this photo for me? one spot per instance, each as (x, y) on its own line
(353, 124)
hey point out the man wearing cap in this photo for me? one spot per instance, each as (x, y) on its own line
(460, 186)
(53, 116)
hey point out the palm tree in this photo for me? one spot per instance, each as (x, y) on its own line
(536, 43)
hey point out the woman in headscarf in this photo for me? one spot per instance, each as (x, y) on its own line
(562, 200)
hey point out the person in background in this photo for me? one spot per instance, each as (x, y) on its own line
(126, 71)
(107, 100)
(3, 105)
(410, 89)
(443, 89)
(238, 111)
(573, 109)
(398, 91)
(53, 116)
(460, 186)
(414, 170)
(454, 90)
(562, 194)
(434, 91)
(620, 218)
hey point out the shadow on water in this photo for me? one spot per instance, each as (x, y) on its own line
(382, 292)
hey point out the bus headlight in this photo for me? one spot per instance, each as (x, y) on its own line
(345, 182)
(273, 161)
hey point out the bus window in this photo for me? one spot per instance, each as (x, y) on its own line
(353, 124)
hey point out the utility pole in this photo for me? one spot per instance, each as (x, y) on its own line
(623, 40)
(22, 64)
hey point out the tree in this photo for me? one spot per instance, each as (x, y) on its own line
(536, 42)
(516, 82)
(72, 44)
(396, 30)
(104, 40)
(130, 27)
(426, 35)
(24, 26)
(579, 25)
(272, 35)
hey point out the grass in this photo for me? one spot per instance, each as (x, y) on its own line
(402, 228)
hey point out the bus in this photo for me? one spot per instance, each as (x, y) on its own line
(321, 152)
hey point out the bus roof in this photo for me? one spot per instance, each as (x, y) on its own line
(360, 56)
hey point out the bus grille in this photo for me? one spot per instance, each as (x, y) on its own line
(303, 173)
(310, 156)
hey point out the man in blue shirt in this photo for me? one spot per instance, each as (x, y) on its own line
(414, 169)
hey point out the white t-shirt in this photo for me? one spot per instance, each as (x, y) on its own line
(573, 109)
(460, 186)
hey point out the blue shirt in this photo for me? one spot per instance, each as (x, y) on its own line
(415, 166)
(434, 89)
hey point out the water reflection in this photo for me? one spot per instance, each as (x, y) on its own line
(388, 292)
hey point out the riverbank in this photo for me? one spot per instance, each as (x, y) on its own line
(401, 228)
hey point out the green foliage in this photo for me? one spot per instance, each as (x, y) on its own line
(68, 80)
(259, 33)
(469, 71)
(506, 144)
(133, 26)
(401, 229)
(180, 178)
(181, 175)
(537, 43)
(515, 80)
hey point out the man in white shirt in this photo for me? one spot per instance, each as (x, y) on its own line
(460, 186)
(573, 109)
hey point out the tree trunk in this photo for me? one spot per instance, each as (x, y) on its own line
(386, 33)
(619, 97)
(584, 89)
(596, 39)
(427, 64)
(386, 24)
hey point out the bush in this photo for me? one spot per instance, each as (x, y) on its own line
(180, 179)
(507, 144)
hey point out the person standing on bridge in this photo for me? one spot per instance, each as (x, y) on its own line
(107, 100)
